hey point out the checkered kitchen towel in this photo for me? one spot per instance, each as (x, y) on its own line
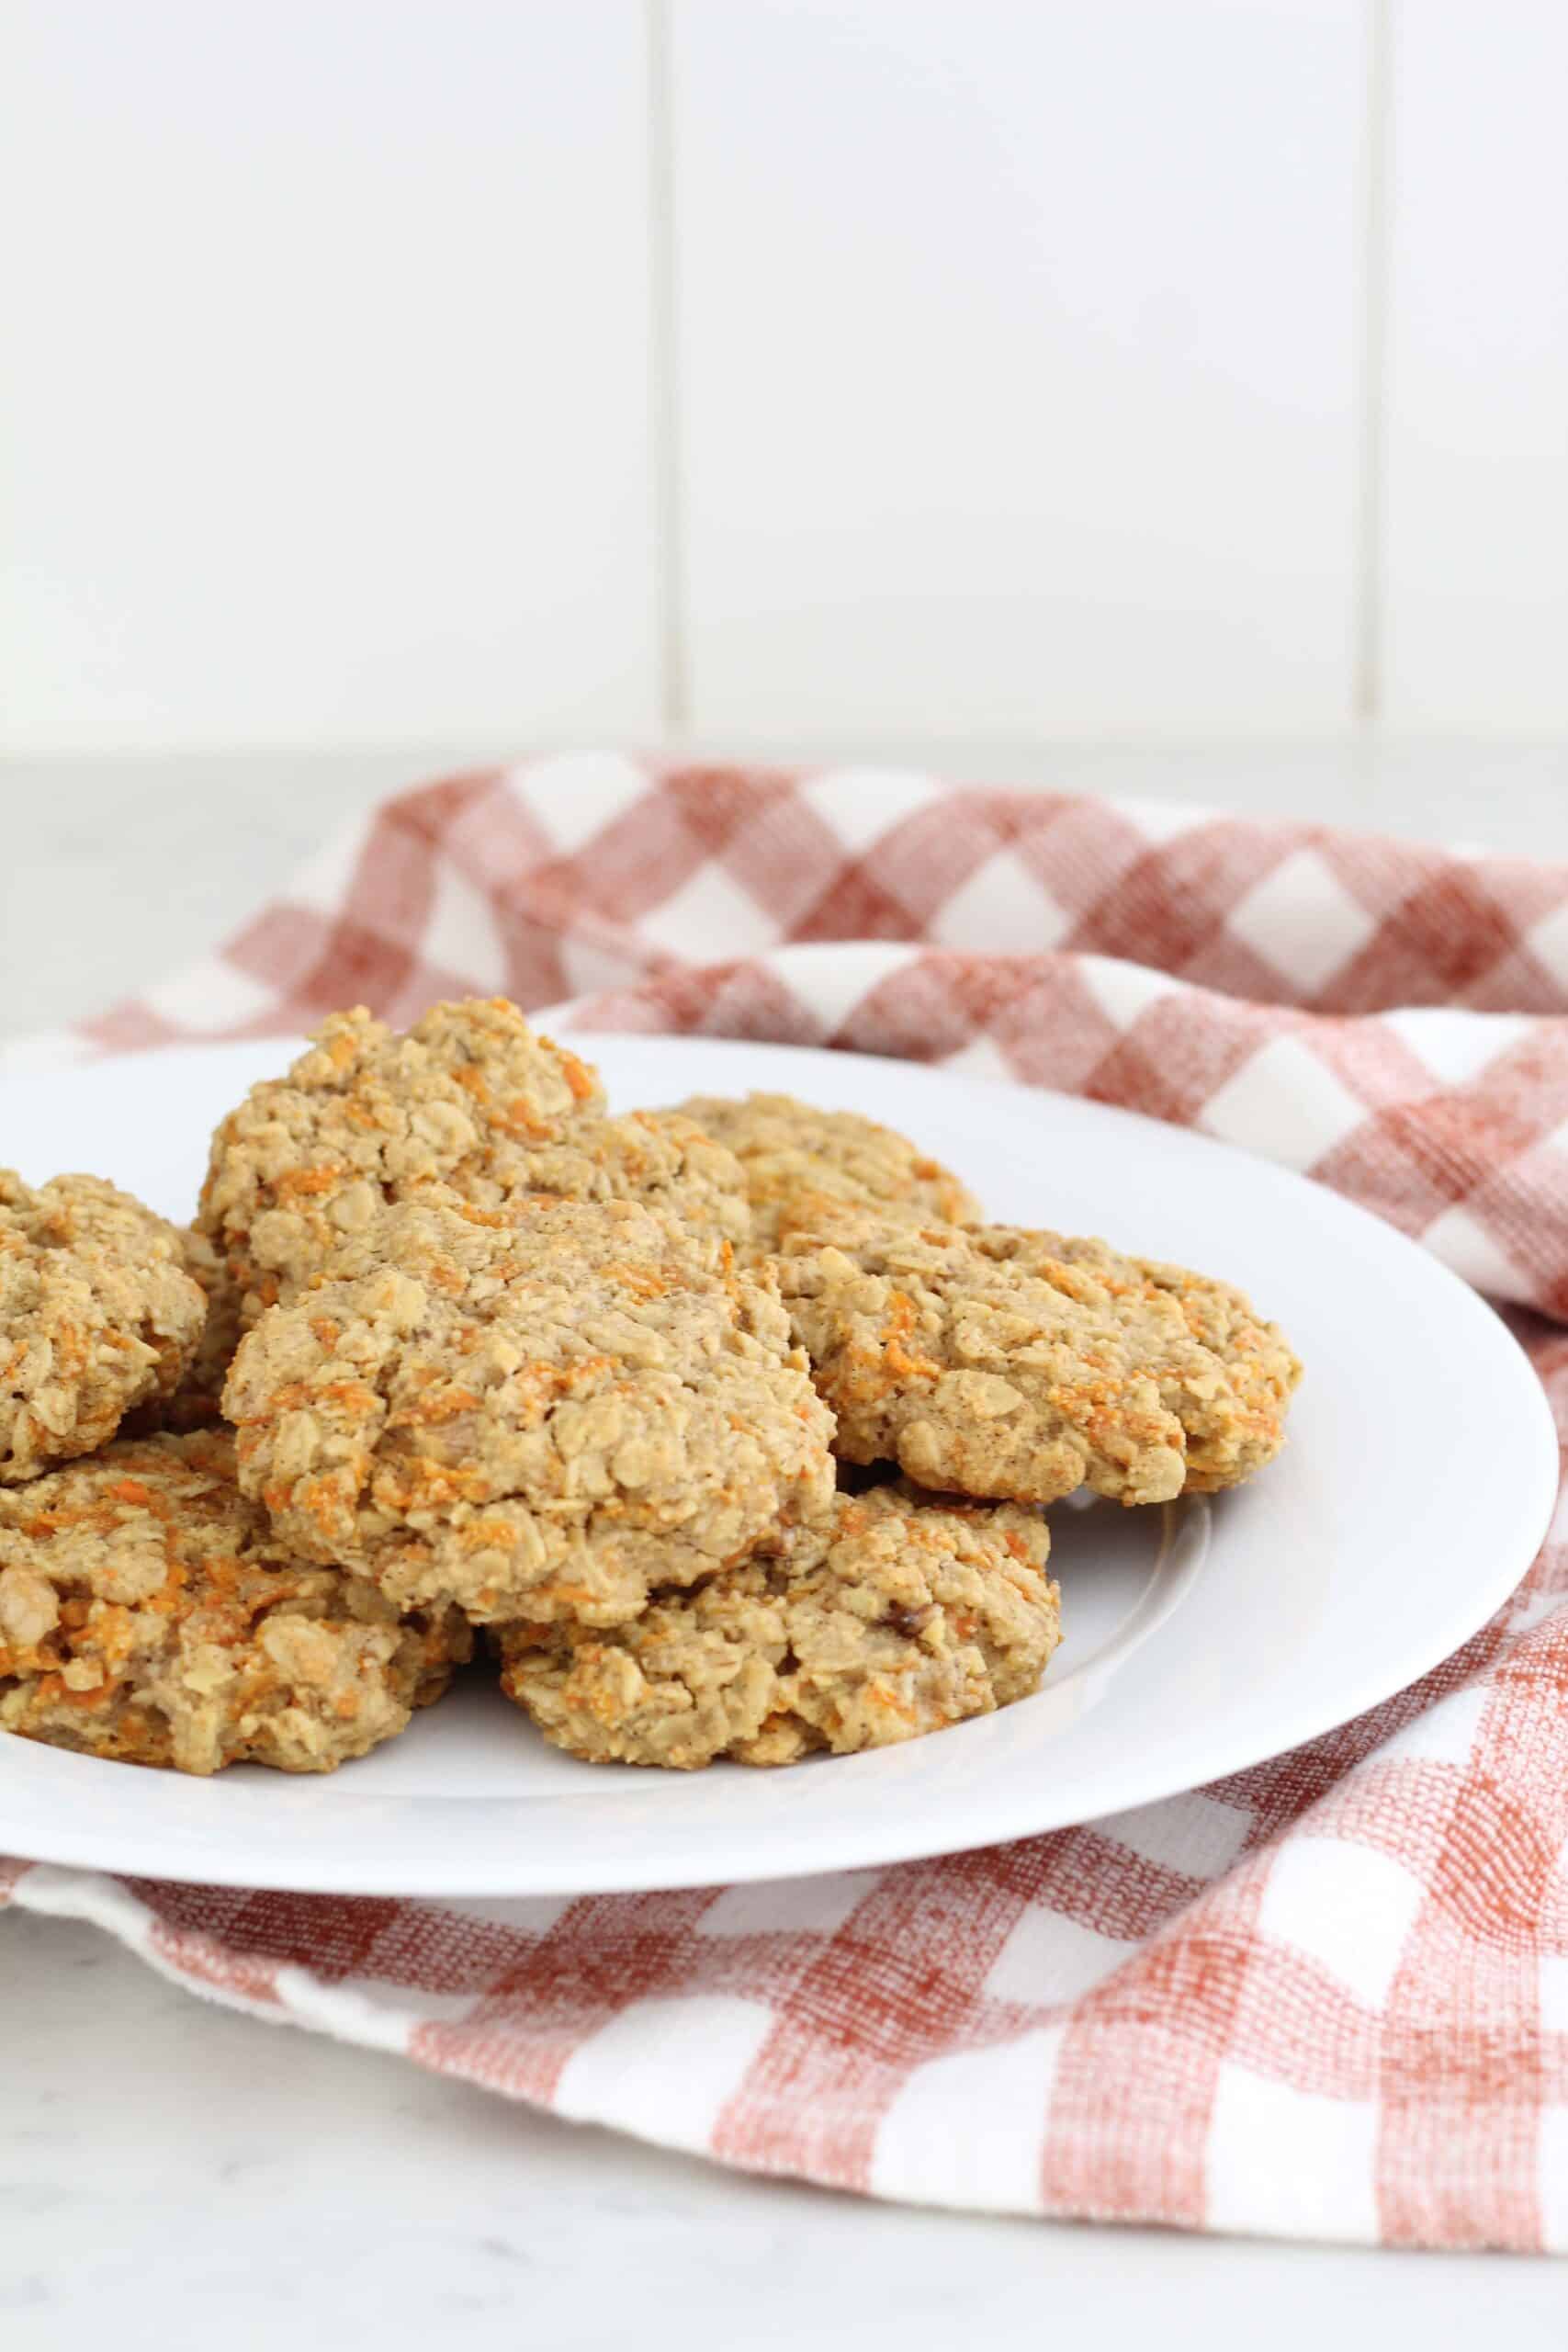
(1327, 1997)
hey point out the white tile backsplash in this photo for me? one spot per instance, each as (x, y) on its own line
(1475, 540)
(896, 370)
(1017, 357)
(324, 381)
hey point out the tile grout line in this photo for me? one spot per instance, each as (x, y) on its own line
(664, 402)
(1367, 678)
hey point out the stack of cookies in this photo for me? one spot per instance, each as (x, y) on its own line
(727, 1429)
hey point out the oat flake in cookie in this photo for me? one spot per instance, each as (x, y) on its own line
(540, 1412)
(97, 1315)
(793, 1156)
(148, 1614)
(902, 1616)
(471, 1098)
(1007, 1363)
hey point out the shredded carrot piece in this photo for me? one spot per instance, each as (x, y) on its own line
(578, 1075)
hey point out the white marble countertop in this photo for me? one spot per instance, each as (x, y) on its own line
(175, 2175)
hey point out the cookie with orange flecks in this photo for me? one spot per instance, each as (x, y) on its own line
(899, 1616)
(540, 1410)
(471, 1098)
(996, 1361)
(792, 1155)
(149, 1615)
(1227, 1374)
(97, 1316)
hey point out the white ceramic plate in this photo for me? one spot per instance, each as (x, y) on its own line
(1417, 1485)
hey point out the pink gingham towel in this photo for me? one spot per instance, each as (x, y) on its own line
(1326, 1998)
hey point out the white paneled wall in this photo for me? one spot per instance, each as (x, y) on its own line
(324, 379)
(375, 370)
(1476, 474)
(1018, 357)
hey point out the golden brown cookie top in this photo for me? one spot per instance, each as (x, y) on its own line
(1186, 1323)
(1000, 1363)
(899, 1616)
(149, 1613)
(540, 1408)
(97, 1315)
(794, 1156)
(471, 1098)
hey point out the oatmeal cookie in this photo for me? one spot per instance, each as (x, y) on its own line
(148, 1614)
(902, 1616)
(1001, 1363)
(1234, 1423)
(97, 1315)
(793, 1156)
(538, 1411)
(470, 1098)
